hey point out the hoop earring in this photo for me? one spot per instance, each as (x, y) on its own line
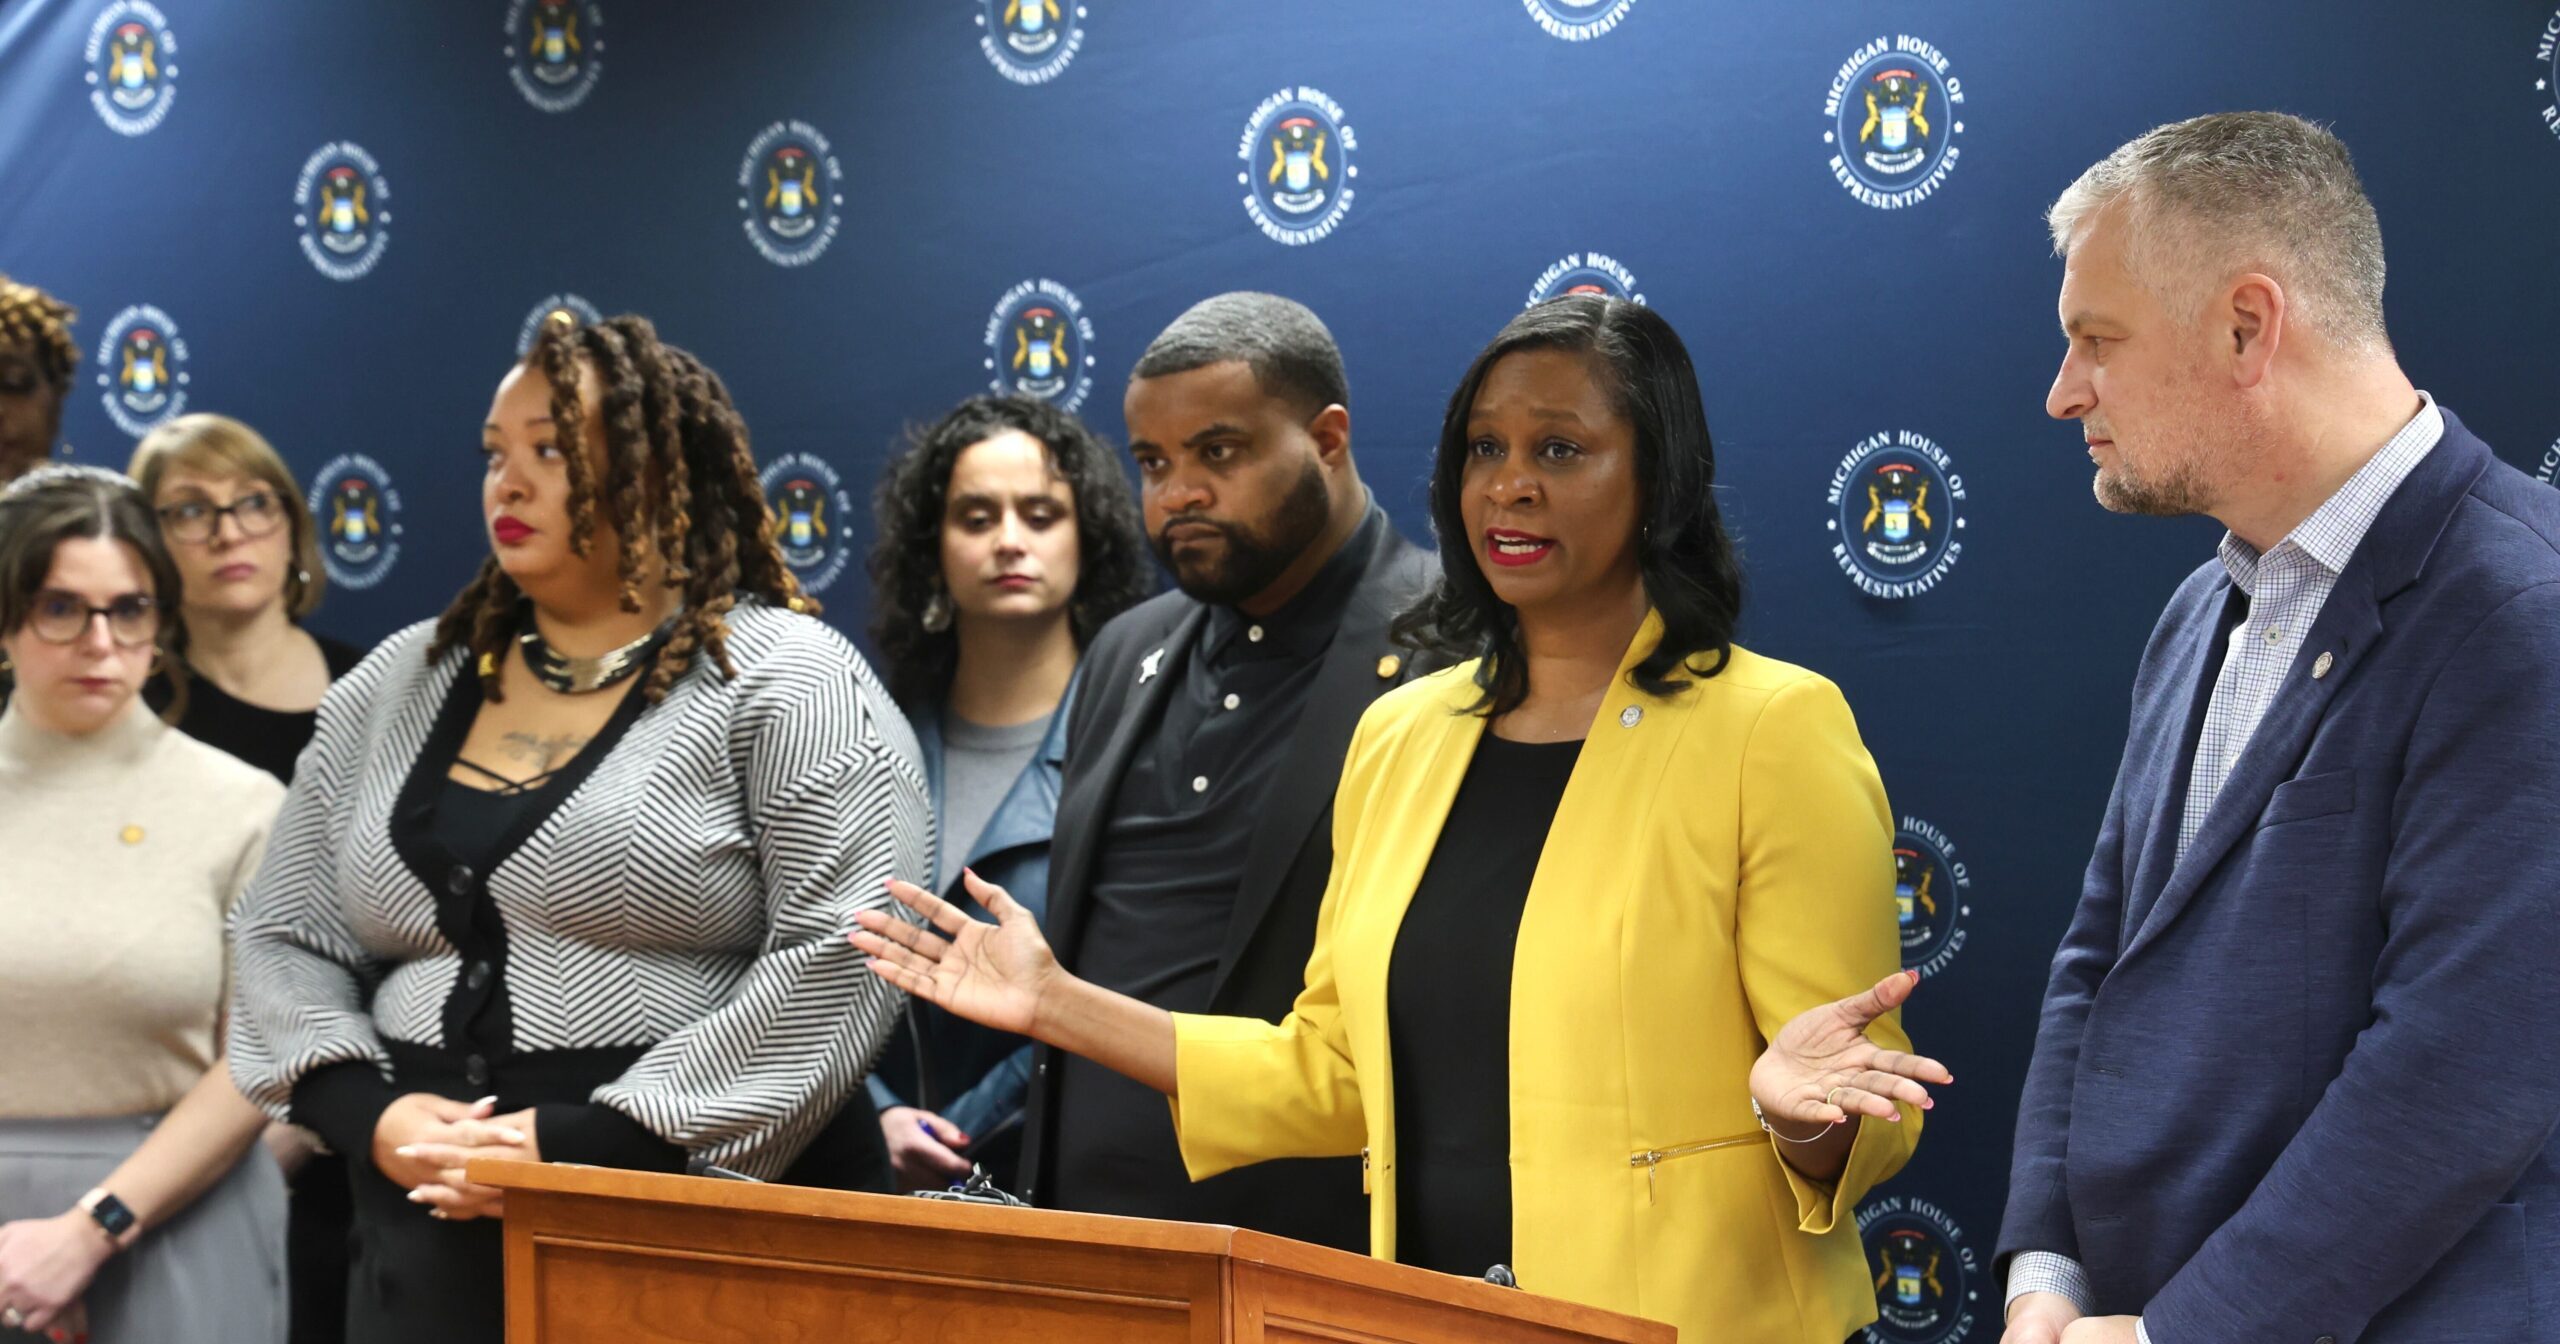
(937, 613)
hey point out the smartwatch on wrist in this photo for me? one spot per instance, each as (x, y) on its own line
(110, 1214)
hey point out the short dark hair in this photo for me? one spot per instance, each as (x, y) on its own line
(1112, 572)
(1290, 350)
(51, 505)
(1692, 575)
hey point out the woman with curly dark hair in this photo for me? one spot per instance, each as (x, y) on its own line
(565, 874)
(36, 355)
(1008, 535)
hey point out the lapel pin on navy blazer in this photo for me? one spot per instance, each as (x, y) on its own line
(2308, 947)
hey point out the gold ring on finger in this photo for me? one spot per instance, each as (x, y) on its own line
(1827, 1097)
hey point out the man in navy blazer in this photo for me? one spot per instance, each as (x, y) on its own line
(2299, 1063)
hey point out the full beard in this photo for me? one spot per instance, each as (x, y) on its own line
(1252, 558)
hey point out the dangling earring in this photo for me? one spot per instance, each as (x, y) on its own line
(937, 613)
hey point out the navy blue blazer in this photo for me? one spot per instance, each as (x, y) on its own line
(2301, 1085)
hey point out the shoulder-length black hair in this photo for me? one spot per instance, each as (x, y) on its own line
(1112, 574)
(1691, 573)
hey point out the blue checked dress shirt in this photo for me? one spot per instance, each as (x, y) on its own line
(2287, 586)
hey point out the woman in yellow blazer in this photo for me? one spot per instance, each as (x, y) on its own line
(1613, 901)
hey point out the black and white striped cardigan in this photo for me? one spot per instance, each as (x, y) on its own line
(690, 896)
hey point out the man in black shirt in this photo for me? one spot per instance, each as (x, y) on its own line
(1194, 829)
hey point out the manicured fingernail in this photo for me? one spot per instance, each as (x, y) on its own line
(511, 1135)
(406, 1150)
(1928, 1104)
(490, 1100)
(417, 1196)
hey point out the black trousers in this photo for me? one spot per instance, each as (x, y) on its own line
(413, 1279)
(319, 1220)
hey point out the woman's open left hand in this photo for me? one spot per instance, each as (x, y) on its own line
(991, 974)
(1822, 1069)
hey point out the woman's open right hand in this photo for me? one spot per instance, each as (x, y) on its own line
(992, 974)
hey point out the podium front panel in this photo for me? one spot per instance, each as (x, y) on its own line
(625, 1272)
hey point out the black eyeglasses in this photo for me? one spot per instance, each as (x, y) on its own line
(195, 520)
(62, 618)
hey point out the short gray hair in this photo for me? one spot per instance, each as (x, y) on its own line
(2236, 192)
(1291, 352)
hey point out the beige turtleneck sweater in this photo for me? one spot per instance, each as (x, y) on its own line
(120, 853)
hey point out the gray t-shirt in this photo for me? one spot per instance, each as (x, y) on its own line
(979, 765)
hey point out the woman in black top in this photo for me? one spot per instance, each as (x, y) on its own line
(564, 873)
(248, 559)
(249, 555)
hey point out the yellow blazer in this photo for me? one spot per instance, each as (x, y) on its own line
(1721, 861)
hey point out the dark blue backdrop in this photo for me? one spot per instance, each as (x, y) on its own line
(1495, 143)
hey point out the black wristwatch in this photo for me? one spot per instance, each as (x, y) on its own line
(110, 1213)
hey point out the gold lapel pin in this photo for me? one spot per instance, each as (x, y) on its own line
(2320, 666)
(1389, 666)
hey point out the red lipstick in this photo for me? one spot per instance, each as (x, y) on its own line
(1511, 549)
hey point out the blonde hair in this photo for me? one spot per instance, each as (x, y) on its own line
(218, 445)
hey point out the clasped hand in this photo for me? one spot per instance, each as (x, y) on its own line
(423, 1141)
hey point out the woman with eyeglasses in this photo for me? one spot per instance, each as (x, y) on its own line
(135, 1201)
(248, 556)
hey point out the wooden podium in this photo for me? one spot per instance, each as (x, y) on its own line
(619, 1257)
